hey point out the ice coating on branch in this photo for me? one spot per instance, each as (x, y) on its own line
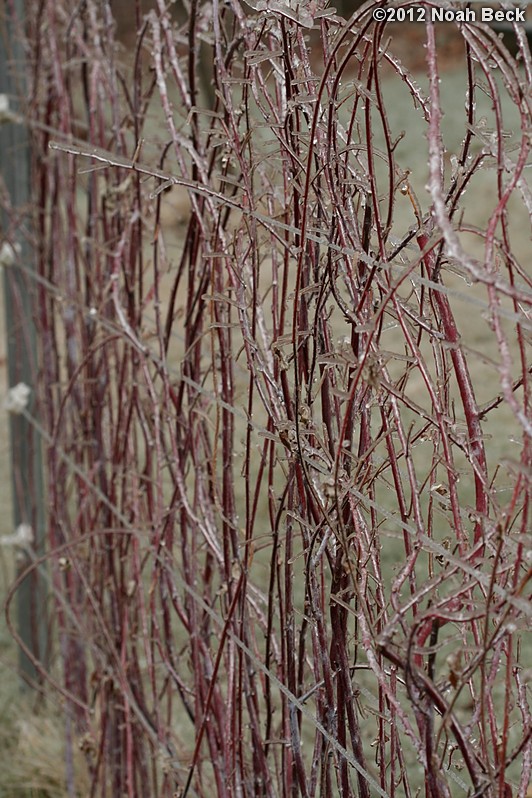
(302, 12)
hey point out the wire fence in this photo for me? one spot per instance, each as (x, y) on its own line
(284, 401)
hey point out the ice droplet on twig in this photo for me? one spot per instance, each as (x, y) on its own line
(8, 253)
(17, 398)
(23, 537)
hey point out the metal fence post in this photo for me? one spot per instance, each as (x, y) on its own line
(20, 312)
